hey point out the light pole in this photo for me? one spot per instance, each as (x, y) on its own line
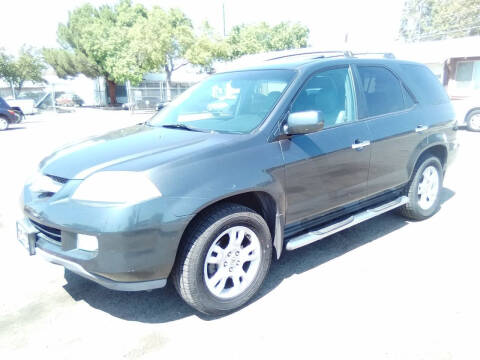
(223, 11)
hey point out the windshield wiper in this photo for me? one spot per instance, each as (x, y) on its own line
(182, 126)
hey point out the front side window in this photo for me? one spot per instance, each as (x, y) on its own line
(330, 92)
(382, 90)
(236, 102)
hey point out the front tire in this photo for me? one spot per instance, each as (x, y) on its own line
(424, 190)
(224, 259)
(473, 121)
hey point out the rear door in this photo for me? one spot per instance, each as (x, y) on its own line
(329, 168)
(390, 111)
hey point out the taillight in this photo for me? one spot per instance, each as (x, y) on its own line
(11, 112)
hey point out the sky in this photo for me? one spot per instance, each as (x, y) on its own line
(370, 24)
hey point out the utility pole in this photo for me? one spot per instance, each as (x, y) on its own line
(223, 11)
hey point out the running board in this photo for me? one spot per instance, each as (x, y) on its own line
(322, 233)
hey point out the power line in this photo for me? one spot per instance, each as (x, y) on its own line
(446, 32)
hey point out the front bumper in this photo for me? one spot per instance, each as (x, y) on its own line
(137, 244)
(39, 244)
(110, 284)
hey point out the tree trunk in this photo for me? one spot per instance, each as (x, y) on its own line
(112, 92)
(19, 89)
(12, 87)
(168, 82)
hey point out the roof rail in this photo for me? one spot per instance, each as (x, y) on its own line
(386, 55)
(338, 53)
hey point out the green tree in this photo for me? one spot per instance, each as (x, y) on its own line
(251, 39)
(439, 19)
(28, 66)
(6, 66)
(165, 40)
(95, 42)
(69, 64)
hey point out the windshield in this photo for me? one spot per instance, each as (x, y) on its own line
(234, 102)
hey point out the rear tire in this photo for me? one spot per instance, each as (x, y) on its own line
(473, 121)
(424, 189)
(224, 259)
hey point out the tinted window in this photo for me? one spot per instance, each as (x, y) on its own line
(383, 91)
(3, 104)
(428, 87)
(330, 92)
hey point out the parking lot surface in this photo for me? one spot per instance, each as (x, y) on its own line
(385, 289)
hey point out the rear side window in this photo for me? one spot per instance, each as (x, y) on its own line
(427, 86)
(382, 90)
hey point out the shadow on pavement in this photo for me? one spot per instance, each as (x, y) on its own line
(164, 305)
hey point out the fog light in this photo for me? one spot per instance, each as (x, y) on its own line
(87, 242)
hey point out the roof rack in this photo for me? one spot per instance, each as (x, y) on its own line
(386, 55)
(338, 53)
(332, 53)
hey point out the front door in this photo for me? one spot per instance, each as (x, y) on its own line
(327, 169)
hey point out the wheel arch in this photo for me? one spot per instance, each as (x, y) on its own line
(261, 202)
(438, 150)
(470, 111)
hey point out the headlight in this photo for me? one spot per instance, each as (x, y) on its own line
(116, 187)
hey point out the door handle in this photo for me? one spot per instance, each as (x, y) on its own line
(359, 145)
(421, 128)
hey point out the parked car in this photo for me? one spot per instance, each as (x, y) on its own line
(468, 112)
(9, 115)
(206, 198)
(68, 99)
(144, 103)
(26, 106)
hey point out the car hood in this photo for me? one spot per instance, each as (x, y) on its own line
(77, 161)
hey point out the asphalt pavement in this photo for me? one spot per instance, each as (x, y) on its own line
(385, 289)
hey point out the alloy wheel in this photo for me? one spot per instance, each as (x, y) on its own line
(475, 122)
(232, 262)
(428, 187)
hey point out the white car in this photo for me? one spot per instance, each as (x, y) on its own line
(27, 105)
(468, 112)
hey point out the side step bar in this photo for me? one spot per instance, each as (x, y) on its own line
(322, 233)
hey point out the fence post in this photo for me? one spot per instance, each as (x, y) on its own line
(129, 96)
(54, 105)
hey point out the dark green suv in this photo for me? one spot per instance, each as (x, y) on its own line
(240, 167)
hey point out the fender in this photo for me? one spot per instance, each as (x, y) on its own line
(429, 142)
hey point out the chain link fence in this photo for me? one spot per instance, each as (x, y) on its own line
(148, 95)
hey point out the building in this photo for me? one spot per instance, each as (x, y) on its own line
(456, 62)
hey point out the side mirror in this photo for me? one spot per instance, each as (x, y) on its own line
(304, 122)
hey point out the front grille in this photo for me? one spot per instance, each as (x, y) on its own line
(49, 232)
(57, 179)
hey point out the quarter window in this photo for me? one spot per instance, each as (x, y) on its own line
(428, 87)
(382, 90)
(330, 92)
